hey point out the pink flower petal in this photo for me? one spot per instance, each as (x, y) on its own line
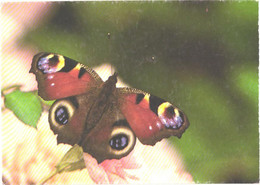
(97, 173)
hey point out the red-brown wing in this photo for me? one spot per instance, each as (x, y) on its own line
(67, 118)
(59, 77)
(151, 118)
(109, 138)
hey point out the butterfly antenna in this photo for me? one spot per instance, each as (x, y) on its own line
(109, 50)
(112, 70)
(115, 74)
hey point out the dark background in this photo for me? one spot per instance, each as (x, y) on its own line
(202, 56)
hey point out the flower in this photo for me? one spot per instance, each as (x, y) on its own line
(145, 164)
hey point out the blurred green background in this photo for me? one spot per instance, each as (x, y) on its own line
(202, 56)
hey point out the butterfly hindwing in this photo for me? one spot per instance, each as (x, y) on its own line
(112, 138)
(150, 117)
(59, 76)
(104, 134)
(67, 117)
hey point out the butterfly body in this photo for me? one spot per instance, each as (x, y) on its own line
(101, 118)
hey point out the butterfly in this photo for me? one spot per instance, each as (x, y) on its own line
(103, 119)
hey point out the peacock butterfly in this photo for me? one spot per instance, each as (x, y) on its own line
(101, 118)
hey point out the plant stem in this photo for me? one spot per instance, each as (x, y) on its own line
(56, 171)
(48, 177)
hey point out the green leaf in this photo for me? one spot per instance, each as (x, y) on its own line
(25, 105)
(71, 161)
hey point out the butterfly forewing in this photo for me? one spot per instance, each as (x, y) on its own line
(150, 117)
(59, 77)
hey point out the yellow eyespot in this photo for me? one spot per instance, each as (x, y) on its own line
(50, 56)
(163, 107)
(177, 113)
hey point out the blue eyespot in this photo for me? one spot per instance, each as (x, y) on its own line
(61, 115)
(47, 65)
(119, 142)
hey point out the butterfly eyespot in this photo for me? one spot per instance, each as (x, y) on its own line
(122, 140)
(51, 63)
(61, 112)
(61, 115)
(171, 117)
(119, 142)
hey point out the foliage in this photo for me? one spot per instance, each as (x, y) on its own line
(25, 105)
